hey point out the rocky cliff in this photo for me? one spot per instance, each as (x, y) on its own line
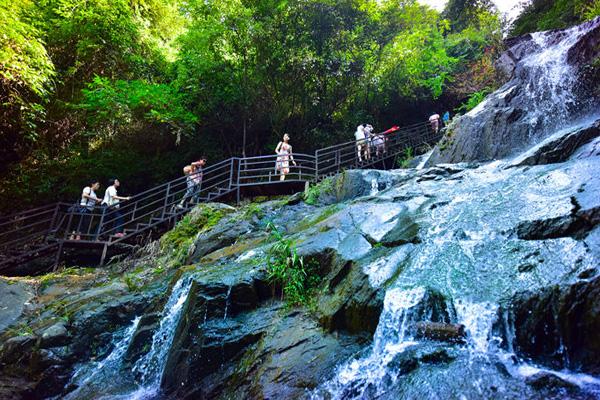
(550, 84)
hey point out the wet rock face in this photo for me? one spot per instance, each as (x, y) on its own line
(14, 297)
(558, 326)
(562, 147)
(350, 302)
(542, 95)
(224, 234)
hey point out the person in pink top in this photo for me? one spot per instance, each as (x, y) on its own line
(284, 156)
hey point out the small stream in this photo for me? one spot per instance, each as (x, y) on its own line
(142, 381)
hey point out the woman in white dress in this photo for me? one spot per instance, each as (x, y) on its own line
(284, 156)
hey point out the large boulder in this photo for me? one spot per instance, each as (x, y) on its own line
(556, 326)
(14, 297)
(349, 302)
(561, 146)
(294, 356)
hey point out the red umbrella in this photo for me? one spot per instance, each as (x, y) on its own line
(392, 129)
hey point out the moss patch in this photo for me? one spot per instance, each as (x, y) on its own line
(177, 242)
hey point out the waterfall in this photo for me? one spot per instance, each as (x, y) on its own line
(478, 319)
(374, 187)
(89, 376)
(391, 338)
(547, 80)
(151, 366)
(551, 80)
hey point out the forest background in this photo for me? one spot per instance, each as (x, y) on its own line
(135, 89)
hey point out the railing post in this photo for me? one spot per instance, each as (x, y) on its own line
(52, 222)
(101, 222)
(164, 210)
(231, 167)
(135, 204)
(238, 183)
(316, 166)
(69, 223)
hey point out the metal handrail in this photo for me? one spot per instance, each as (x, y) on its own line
(161, 203)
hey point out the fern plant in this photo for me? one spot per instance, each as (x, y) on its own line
(288, 270)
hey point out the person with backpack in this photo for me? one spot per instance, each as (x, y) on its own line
(86, 206)
(190, 183)
(111, 206)
(446, 118)
(197, 174)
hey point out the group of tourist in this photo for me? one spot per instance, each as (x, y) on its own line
(109, 207)
(368, 142)
(367, 145)
(436, 121)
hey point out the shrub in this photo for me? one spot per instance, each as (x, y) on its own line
(407, 158)
(288, 270)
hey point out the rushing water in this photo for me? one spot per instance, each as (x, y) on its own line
(89, 378)
(109, 379)
(468, 254)
(545, 86)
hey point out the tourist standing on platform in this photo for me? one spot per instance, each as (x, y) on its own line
(434, 120)
(111, 206)
(86, 206)
(284, 156)
(359, 135)
(368, 140)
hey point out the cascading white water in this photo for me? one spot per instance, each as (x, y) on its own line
(151, 366)
(391, 338)
(464, 254)
(544, 94)
(374, 187)
(551, 79)
(88, 376)
(477, 319)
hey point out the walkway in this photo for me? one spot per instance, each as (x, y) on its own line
(45, 232)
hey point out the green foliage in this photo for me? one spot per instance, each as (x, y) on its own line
(26, 74)
(591, 10)
(111, 106)
(312, 194)
(137, 88)
(178, 240)
(286, 269)
(253, 210)
(474, 100)
(134, 284)
(541, 15)
(463, 14)
(404, 162)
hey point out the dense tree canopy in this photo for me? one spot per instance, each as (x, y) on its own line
(134, 88)
(541, 15)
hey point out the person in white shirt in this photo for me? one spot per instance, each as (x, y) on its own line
(368, 140)
(111, 202)
(359, 135)
(86, 206)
